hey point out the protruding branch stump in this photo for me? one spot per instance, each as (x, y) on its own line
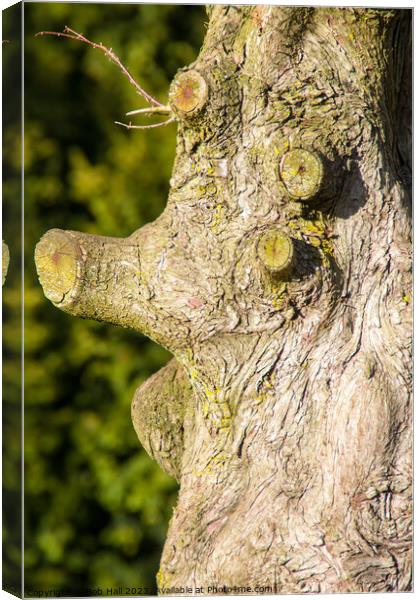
(5, 259)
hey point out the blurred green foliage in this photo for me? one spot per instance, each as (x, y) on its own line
(96, 505)
(12, 303)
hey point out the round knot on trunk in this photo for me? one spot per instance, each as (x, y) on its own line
(188, 93)
(301, 172)
(275, 250)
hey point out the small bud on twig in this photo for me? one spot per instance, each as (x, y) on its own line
(157, 107)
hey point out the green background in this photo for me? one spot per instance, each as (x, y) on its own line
(96, 506)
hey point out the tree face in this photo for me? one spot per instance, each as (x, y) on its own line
(243, 169)
(277, 275)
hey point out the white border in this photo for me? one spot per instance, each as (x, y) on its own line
(343, 3)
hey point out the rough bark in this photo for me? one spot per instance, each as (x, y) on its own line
(292, 441)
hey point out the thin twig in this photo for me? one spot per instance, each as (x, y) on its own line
(73, 35)
(131, 126)
(153, 109)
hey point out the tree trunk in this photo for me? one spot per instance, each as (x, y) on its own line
(279, 276)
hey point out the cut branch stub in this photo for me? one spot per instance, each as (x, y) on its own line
(188, 93)
(276, 251)
(90, 276)
(5, 258)
(57, 256)
(301, 172)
